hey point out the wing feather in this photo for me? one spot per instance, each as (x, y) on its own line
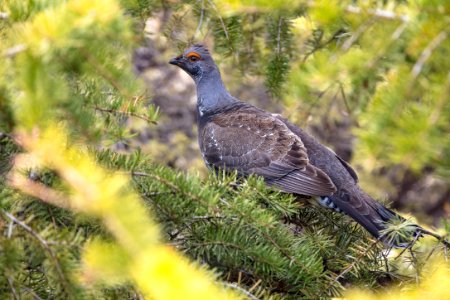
(254, 142)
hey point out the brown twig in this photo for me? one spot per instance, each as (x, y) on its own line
(13, 289)
(344, 98)
(394, 37)
(435, 235)
(352, 265)
(104, 73)
(224, 27)
(37, 190)
(354, 37)
(33, 293)
(7, 135)
(315, 104)
(13, 51)
(240, 289)
(280, 21)
(200, 22)
(112, 111)
(379, 13)
(44, 244)
(323, 45)
(426, 53)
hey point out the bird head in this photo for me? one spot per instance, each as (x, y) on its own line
(196, 61)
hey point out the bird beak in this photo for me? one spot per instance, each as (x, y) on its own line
(177, 61)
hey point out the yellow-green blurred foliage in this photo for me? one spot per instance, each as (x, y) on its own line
(159, 271)
(433, 285)
(67, 92)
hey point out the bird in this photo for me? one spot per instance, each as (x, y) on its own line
(236, 136)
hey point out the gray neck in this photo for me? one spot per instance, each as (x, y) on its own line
(211, 92)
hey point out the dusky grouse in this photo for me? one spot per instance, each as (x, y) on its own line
(234, 135)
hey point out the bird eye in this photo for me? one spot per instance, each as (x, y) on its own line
(193, 56)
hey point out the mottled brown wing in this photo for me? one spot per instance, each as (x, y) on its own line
(257, 143)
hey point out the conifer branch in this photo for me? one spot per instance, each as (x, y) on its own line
(337, 34)
(233, 246)
(398, 32)
(379, 13)
(224, 27)
(127, 113)
(252, 222)
(249, 219)
(280, 20)
(353, 264)
(208, 218)
(7, 135)
(354, 37)
(394, 37)
(46, 246)
(37, 190)
(441, 239)
(33, 293)
(13, 51)
(105, 73)
(13, 289)
(242, 290)
(434, 117)
(426, 53)
(200, 21)
(174, 188)
(344, 98)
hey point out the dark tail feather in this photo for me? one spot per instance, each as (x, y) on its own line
(381, 222)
